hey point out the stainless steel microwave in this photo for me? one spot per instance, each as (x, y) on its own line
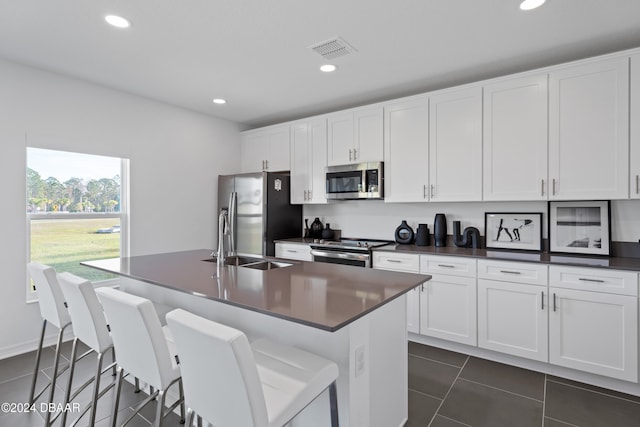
(356, 181)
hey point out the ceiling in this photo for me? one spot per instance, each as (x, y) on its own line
(255, 53)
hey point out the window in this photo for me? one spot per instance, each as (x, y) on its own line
(76, 210)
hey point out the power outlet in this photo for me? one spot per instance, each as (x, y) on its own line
(359, 361)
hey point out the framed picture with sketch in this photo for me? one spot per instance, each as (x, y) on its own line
(582, 227)
(513, 230)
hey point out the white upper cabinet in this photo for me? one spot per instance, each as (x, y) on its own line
(455, 145)
(406, 150)
(308, 161)
(355, 136)
(266, 149)
(634, 182)
(515, 139)
(589, 131)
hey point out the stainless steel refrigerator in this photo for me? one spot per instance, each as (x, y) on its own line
(259, 210)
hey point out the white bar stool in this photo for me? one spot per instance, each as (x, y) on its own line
(231, 383)
(53, 311)
(143, 348)
(91, 328)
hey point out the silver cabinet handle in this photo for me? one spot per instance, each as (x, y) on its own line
(350, 150)
(584, 279)
(266, 165)
(424, 191)
(309, 194)
(354, 154)
(553, 189)
(637, 184)
(542, 187)
(542, 300)
(554, 301)
(446, 266)
(432, 188)
(422, 288)
(394, 260)
(306, 195)
(510, 272)
(292, 251)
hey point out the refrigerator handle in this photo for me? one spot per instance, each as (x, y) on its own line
(232, 222)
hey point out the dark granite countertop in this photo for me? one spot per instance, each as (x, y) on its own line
(632, 264)
(321, 295)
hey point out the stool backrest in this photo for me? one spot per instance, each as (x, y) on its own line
(50, 298)
(141, 347)
(89, 324)
(219, 373)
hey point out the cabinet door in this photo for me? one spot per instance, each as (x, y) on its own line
(368, 134)
(277, 158)
(300, 252)
(318, 161)
(515, 139)
(455, 145)
(413, 310)
(512, 318)
(406, 151)
(448, 308)
(594, 332)
(300, 165)
(340, 138)
(589, 131)
(254, 151)
(634, 184)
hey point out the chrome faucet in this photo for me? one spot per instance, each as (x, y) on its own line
(223, 229)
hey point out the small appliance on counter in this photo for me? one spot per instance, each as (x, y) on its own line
(259, 211)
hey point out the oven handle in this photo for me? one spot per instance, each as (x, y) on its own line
(341, 255)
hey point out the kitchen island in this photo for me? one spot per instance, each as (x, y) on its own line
(354, 316)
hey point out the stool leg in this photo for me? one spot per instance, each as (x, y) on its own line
(72, 368)
(160, 408)
(136, 389)
(190, 417)
(116, 396)
(96, 391)
(54, 377)
(37, 368)
(333, 399)
(182, 415)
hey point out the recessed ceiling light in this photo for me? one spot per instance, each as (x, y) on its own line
(531, 4)
(117, 21)
(219, 101)
(327, 68)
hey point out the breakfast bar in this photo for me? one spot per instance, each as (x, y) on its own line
(353, 316)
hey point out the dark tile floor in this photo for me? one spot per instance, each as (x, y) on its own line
(449, 389)
(446, 389)
(15, 380)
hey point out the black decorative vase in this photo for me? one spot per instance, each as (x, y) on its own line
(404, 233)
(327, 233)
(422, 235)
(440, 230)
(316, 228)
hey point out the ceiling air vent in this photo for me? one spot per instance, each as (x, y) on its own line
(333, 48)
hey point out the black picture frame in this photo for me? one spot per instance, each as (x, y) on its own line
(521, 231)
(580, 227)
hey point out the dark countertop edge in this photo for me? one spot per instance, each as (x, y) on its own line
(568, 259)
(424, 278)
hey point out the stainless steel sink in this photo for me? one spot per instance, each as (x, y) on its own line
(250, 262)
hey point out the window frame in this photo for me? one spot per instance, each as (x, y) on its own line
(123, 216)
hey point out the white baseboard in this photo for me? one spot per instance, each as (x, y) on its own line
(31, 345)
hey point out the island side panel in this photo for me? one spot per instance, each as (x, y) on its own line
(371, 353)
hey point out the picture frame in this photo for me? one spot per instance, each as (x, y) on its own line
(580, 227)
(513, 230)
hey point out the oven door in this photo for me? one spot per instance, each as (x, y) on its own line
(344, 257)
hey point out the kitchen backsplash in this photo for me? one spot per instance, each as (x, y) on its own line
(378, 220)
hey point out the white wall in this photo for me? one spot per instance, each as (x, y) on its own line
(173, 152)
(376, 219)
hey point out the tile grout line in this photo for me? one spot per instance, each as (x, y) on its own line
(438, 361)
(502, 390)
(544, 399)
(563, 422)
(596, 392)
(455, 421)
(424, 394)
(448, 391)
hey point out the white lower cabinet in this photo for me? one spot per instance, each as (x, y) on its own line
(512, 309)
(590, 330)
(408, 263)
(448, 300)
(297, 251)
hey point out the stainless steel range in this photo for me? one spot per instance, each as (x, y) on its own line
(346, 251)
